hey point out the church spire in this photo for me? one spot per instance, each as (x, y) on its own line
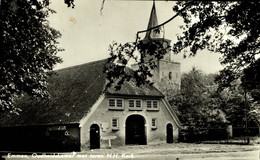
(155, 33)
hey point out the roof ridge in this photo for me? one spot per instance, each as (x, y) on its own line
(78, 65)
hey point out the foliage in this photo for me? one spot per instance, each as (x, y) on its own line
(197, 104)
(251, 84)
(116, 68)
(254, 112)
(227, 27)
(70, 3)
(29, 48)
(233, 103)
(251, 76)
(231, 29)
(201, 107)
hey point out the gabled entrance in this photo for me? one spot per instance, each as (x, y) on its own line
(135, 130)
(94, 136)
(169, 131)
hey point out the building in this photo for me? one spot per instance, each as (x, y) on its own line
(80, 115)
(167, 75)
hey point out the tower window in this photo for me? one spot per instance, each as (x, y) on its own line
(170, 75)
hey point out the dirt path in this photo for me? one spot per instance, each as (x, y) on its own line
(246, 155)
(156, 151)
(177, 148)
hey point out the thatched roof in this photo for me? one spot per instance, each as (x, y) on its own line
(73, 91)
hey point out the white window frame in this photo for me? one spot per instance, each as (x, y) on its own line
(156, 105)
(135, 107)
(115, 128)
(121, 101)
(147, 104)
(153, 102)
(154, 123)
(129, 103)
(116, 107)
(110, 99)
(140, 103)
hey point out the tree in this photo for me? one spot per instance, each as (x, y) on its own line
(29, 48)
(227, 27)
(251, 76)
(232, 103)
(251, 84)
(202, 107)
(198, 105)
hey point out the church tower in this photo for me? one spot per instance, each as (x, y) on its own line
(167, 75)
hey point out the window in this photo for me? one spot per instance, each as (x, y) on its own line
(115, 104)
(131, 103)
(112, 103)
(135, 104)
(149, 104)
(119, 103)
(138, 104)
(152, 105)
(155, 104)
(154, 123)
(115, 123)
(170, 75)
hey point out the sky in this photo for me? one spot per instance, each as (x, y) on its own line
(87, 32)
